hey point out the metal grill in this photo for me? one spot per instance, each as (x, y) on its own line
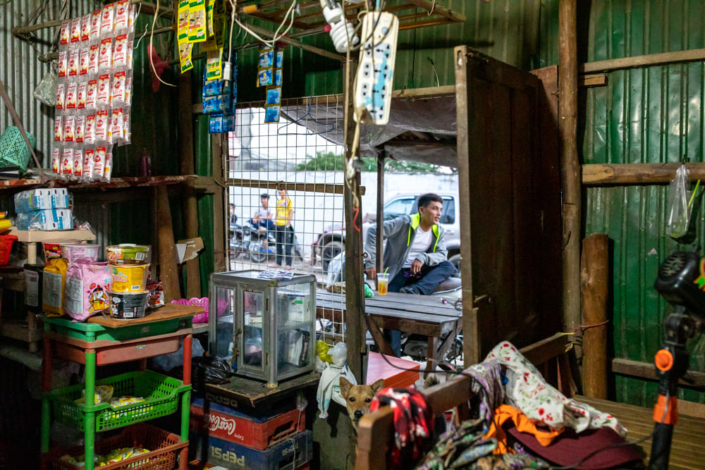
(298, 165)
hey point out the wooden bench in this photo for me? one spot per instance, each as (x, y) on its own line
(415, 314)
(687, 451)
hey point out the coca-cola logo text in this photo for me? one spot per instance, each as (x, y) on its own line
(216, 423)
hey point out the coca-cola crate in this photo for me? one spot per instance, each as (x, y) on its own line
(233, 426)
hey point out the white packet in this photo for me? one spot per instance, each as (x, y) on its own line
(73, 62)
(63, 63)
(102, 121)
(79, 129)
(131, 19)
(60, 96)
(107, 173)
(89, 129)
(115, 133)
(65, 34)
(104, 90)
(105, 60)
(122, 13)
(86, 28)
(126, 130)
(118, 89)
(71, 91)
(56, 160)
(107, 21)
(81, 95)
(91, 95)
(98, 163)
(95, 25)
(58, 129)
(87, 170)
(69, 128)
(67, 162)
(77, 163)
(120, 52)
(130, 50)
(83, 60)
(93, 59)
(75, 30)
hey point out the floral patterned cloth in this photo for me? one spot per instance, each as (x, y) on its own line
(527, 391)
(488, 386)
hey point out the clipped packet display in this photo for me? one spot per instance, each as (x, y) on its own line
(105, 60)
(214, 65)
(122, 13)
(126, 131)
(58, 129)
(120, 52)
(73, 62)
(93, 59)
(104, 90)
(83, 61)
(107, 20)
(185, 50)
(99, 163)
(77, 163)
(274, 95)
(107, 173)
(75, 30)
(65, 33)
(88, 165)
(128, 90)
(67, 162)
(95, 24)
(130, 51)
(69, 128)
(182, 30)
(115, 131)
(63, 63)
(118, 88)
(86, 27)
(81, 95)
(71, 91)
(89, 129)
(91, 94)
(102, 121)
(265, 78)
(197, 21)
(272, 113)
(79, 128)
(56, 160)
(60, 96)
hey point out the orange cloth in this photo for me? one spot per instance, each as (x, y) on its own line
(522, 423)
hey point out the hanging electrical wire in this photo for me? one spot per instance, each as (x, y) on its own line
(151, 47)
(277, 35)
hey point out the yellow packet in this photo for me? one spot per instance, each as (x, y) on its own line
(209, 18)
(183, 20)
(214, 65)
(185, 50)
(197, 21)
(53, 286)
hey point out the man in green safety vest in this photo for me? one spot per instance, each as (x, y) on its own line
(415, 256)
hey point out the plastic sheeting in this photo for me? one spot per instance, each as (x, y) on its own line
(435, 116)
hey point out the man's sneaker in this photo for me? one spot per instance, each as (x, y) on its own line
(410, 290)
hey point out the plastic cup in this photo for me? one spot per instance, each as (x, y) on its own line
(382, 283)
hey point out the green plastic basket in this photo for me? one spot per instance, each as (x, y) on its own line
(13, 148)
(161, 394)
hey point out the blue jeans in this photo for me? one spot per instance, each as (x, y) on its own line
(268, 224)
(285, 242)
(425, 282)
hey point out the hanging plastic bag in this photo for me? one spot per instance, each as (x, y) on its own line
(46, 89)
(679, 209)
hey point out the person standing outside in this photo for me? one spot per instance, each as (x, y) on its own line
(284, 231)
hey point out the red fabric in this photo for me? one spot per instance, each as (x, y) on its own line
(412, 421)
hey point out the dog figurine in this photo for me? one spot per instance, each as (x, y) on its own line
(358, 398)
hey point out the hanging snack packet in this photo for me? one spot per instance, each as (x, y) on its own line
(128, 90)
(126, 130)
(69, 127)
(87, 173)
(106, 54)
(122, 11)
(185, 56)
(108, 167)
(91, 94)
(84, 58)
(118, 93)
(60, 96)
(107, 20)
(115, 132)
(89, 130)
(75, 29)
(93, 59)
(130, 50)
(272, 113)
(95, 25)
(71, 90)
(73, 63)
(131, 18)
(274, 95)
(102, 121)
(265, 77)
(65, 34)
(99, 163)
(120, 52)
(58, 129)
(214, 65)
(67, 162)
(86, 27)
(81, 95)
(53, 285)
(104, 90)
(182, 30)
(210, 30)
(56, 160)
(63, 63)
(77, 163)
(79, 130)
(197, 21)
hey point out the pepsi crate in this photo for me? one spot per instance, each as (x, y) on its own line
(290, 454)
(257, 433)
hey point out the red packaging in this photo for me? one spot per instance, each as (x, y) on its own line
(84, 58)
(76, 29)
(130, 50)
(93, 58)
(81, 95)
(91, 94)
(118, 93)
(58, 129)
(107, 20)
(77, 162)
(104, 90)
(71, 90)
(89, 129)
(101, 126)
(60, 96)
(86, 27)
(105, 57)
(67, 162)
(120, 51)
(87, 169)
(122, 10)
(98, 163)
(234, 427)
(55, 159)
(73, 63)
(65, 34)
(79, 129)
(115, 131)
(69, 127)
(63, 63)
(95, 24)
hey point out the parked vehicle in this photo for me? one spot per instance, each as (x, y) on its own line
(249, 241)
(331, 243)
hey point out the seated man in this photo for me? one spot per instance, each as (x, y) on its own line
(415, 257)
(263, 218)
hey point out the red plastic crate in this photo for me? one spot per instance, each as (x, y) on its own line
(234, 427)
(6, 242)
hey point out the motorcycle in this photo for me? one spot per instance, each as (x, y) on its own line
(239, 240)
(259, 253)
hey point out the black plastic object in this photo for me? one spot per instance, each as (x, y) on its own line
(206, 370)
(679, 282)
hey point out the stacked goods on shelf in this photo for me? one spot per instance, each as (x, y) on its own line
(94, 93)
(44, 209)
(129, 268)
(219, 100)
(270, 75)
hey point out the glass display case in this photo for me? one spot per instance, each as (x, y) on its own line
(266, 326)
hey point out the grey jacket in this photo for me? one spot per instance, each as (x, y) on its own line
(399, 234)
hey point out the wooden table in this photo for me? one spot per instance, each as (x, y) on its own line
(241, 391)
(415, 314)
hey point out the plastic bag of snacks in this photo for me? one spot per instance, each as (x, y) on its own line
(80, 460)
(87, 286)
(54, 283)
(125, 401)
(118, 455)
(103, 394)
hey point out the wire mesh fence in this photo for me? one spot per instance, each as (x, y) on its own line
(285, 187)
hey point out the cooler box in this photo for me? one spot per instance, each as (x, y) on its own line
(287, 455)
(232, 426)
(378, 368)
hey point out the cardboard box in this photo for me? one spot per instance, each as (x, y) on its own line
(287, 455)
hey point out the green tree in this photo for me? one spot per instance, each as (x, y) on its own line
(331, 162)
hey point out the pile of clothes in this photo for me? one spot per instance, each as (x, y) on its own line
(521, 422)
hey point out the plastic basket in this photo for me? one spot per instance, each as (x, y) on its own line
(164, 448)
(6, 242)
(161, 394)
(201, 317)
(13, 148)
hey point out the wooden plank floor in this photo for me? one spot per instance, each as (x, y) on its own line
(688, 449)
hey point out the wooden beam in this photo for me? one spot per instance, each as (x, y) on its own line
(423, 24)
(299, 44)
(594, 280)
(20, 30)
(543, 351)
(647, 371)
(637, 173)
(693, 55)
(292, 186)
(593, 80)
(437, 9)
(167, 247)
(220, 212)
(570, 165)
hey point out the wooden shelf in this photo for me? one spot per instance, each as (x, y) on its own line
(115, 183)
(19, 331)
(40, 236)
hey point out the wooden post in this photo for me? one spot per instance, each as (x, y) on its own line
(354, 288)
(570, 166)
(380, 211)
(220, 213)
(594, 280)
(167, 246)
(193, 267)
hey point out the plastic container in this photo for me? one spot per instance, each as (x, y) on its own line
(164, 448)
(128, 306)
(161, 395)
(74, 251)
(201, 317)
(90, 332)
(6, 242)
(129, 278)
(128, 253)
